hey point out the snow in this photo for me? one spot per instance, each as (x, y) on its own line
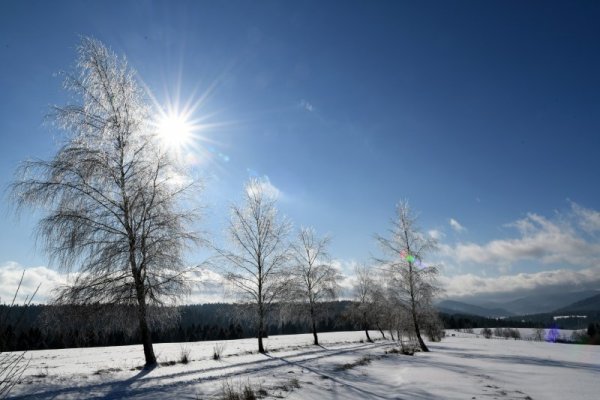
(461, 367)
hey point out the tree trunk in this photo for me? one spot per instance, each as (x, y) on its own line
(315, 334)
(413, 307)
(418, 333)
(381, 331)
(367, 333)
(261, 348)
(314, 325)
(366, 326)
(144, 330)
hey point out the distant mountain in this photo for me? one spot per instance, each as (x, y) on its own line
(545, 303)
(458, 307)
(589, 304)
(536, 303)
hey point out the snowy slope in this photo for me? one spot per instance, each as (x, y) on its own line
(460, 367)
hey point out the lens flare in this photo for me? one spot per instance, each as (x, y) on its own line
(553, 334)
(412, 259)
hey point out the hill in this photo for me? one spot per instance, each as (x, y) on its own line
(589, 304)
(458, 307)
(546, 302)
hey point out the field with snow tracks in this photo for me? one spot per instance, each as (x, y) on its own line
(461, 367)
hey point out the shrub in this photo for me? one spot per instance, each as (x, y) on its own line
(486, 332)
(228, 392)
(184, 354)
(538, 334)
(515, 334)
(434, 331)
(365, 360)
(243, 392)
(579, 337)
(248, 392)
(218, 349)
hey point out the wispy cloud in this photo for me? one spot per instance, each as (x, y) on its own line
(556, 241)
(436, 234)
(267, 187)
(454, 224)
(560, 279)
(305, 105)
(587, 219)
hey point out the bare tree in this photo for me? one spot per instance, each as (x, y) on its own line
(256, 261)
(113, 197)
(412, 283)
(362, 311)
(317, 280)
(381, 312)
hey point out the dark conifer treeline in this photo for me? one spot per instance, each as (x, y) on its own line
(463, 321)
(54, 327)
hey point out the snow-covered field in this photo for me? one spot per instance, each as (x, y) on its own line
(460, 367)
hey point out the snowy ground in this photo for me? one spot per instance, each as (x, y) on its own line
(460, 367)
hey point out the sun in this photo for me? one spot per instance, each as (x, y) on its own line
(175, 131)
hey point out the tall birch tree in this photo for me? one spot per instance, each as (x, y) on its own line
(411, 282)
(316, 278)
(257, 258)
(112, 197)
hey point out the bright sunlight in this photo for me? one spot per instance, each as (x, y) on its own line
(175, 131)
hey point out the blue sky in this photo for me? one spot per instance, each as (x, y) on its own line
(487, 113)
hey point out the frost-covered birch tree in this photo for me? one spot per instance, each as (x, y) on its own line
(113, 198)
(411, 283)
(316, 278)
(362, 310)
(257, 258)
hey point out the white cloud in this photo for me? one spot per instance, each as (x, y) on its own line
(587, 219)
(436, 234)
(456, 225)
(46, 278)
(267, 188)
(306, 105)
(563, 279)
(346, 268)
(540, 240)
(207, 285)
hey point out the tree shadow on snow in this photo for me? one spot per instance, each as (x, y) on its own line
(135, 385)
(543, 362)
